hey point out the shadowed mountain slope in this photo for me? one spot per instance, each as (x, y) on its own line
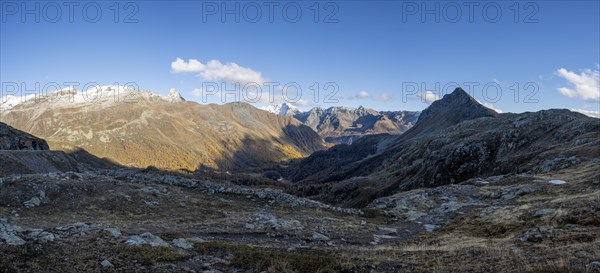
(13, 139)
(22, 153)
(455, 139)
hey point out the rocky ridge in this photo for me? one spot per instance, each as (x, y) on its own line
(341, 125)
(447, 146)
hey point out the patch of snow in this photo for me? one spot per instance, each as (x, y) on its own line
(557, 182)
(284, 109)
(9, 101)
(175, 96)
(97, 96)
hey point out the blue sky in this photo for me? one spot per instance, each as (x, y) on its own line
(376, 53)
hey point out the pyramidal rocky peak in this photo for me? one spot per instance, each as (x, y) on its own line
(450, 110)
(456, 105)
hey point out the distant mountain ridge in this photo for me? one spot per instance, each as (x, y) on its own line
(343, 125)
(142, 128)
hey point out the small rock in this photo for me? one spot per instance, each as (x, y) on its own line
(79, 229)
(41, 235)
(582, 254)
(448, 207)
(249, 226)
(46, 237)
(289, 225)
(543, 212)
(363, 222)
(511, 193)
(151, 203)
(106, 263)
(481, 181)
(196, 240)
(319, 237)
(182, 243)
(115, 232)
(146, 238)
(413, 215)
(33, 202)
(594, 266)
(135, 240)
(12, 239)
(8, 233)
(537, 234)
(388, 230)
(430, 228)
(154, 240)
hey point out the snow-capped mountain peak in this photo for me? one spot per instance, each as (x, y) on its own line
(175, 96)
(284, 109)
(96, 96)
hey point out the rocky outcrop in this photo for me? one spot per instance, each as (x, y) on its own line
(13, 139)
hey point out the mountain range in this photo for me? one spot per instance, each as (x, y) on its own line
(342, 125)
(454, 139)
(141, 128)
(464, 183)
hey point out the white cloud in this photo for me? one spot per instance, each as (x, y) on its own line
(216, 71)
(192, 66)
(493, 107)
(302, 103)
(425, 97)
(586, 84)
(429, 97)
(594, 114)
(363, 95)
(490, 105)
(384, 96)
